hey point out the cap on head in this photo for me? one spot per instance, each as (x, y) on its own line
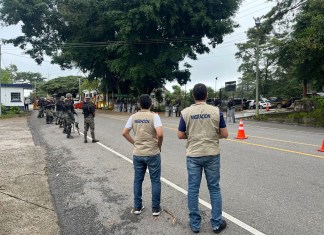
(68, 95)
(62, 98)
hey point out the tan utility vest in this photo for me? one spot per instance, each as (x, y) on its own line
(146, 143)
(202, 130)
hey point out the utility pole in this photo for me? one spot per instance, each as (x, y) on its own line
(257, 58)
(79, 90)
(185, 98)
(215, 86)
(0, 81)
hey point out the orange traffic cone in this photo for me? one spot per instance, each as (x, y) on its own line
(267, 108)
(322, 149)
(241, 133)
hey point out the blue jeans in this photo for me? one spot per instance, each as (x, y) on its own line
(153, 163)
(195, 167)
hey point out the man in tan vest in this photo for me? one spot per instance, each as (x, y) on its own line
(147, 141)
(203, 125)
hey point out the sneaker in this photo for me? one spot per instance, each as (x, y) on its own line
(156, 211)
(195, 230)
(138, 211)
(221, 227)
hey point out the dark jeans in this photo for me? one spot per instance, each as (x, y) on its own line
(141, 163)
(211, 166)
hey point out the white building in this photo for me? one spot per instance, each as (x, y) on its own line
(13, 94)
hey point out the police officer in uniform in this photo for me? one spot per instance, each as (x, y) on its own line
(203, 125)
(59, 111)
(89, 109)
(69, 115)
(49, 106)
(40, 105)
(147, 143)
(178, 104)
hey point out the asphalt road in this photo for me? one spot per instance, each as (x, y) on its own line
(272, 182)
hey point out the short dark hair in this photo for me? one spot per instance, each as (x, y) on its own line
(145, 101)
(200, 91)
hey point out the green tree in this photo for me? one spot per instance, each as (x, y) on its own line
(61, 86)
(5, 76)
(29, 77)
(137, 45)
(301, 52)
(90, 85)
(158, 95)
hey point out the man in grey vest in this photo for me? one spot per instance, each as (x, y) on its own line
(89, 109)
(147, 141)
(203, 125)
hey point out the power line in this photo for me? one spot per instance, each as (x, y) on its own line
(245, 10)
(252, 13)
(23, 56)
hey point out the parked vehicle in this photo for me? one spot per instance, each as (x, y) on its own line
(279, 102)
(310, 95)
(245, 104)
(262, 104)
(238, 104)
(251, 104)
(214, 101)
(78, 105)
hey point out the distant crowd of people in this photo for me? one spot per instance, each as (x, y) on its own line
(63, 113)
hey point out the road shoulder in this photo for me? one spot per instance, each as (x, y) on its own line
(25, 200)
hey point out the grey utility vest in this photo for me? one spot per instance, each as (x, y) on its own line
(146, 143)
(202, 130)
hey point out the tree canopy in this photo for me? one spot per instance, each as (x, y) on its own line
(61, 85)
(291, 49)
(134, 45)
(11, 75)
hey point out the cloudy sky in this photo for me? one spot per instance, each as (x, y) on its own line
(220, 62)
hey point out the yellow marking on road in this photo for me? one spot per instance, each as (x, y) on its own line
(265, 146)
(248, 143)
(279, 149)
(279, 140)
(265, 138)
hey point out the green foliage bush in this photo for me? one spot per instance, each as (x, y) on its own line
(15, 110)
(3, 110)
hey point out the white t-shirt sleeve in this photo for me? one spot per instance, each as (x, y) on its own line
(157, 121)
(129, 124)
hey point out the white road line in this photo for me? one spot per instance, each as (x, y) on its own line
(185, 192)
